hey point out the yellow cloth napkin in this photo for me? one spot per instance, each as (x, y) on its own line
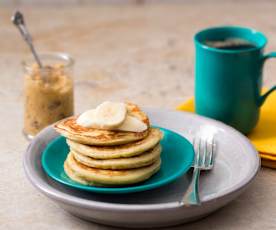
(263, 136)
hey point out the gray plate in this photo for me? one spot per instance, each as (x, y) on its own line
(236, 165)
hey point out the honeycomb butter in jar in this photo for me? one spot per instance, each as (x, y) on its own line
(48, 91)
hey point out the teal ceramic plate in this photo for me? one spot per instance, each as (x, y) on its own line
(177, 157)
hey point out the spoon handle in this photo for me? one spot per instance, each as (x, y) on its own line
(18, 21)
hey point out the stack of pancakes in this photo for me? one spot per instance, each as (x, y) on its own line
(111, 158)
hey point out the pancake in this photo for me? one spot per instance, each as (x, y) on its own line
(120, 151)
(91, 136)
(70, 173)
(99, 177)
(72, 176)
(141, 160)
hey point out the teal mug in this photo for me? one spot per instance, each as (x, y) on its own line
(228, 80)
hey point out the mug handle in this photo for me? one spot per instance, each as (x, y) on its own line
(264, 96)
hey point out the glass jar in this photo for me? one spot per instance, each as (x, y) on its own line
(48, 91)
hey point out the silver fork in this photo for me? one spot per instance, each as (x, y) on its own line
(204, 160)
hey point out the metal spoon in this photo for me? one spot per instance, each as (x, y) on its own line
(18, 21)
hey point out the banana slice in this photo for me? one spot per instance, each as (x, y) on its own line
(132, 124)
(87, 119)
(110, 115)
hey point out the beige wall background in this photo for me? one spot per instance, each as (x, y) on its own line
(131, 2)
(80, 2)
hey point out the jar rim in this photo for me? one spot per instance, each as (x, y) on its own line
(66, 59)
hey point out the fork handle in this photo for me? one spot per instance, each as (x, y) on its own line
(191, 196)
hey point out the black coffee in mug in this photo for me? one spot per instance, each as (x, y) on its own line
(230, 44)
